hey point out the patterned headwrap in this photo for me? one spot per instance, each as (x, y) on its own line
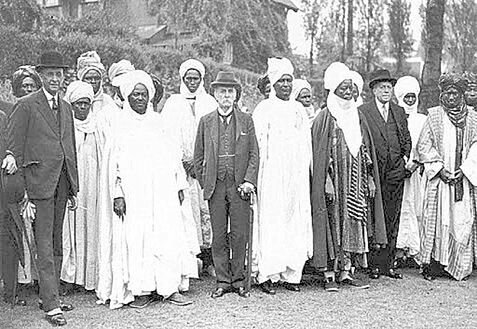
(26, 71)
(298, 86)
(448, 80)
(470, 77)
(87, 62)
(262, 84)
(118, 69)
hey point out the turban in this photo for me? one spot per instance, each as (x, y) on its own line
(117, 69)
(278, 67)
(332, 77)
(357, 80)
(298, 86)
(470, 77)
(452, 80)
(87, 62)
(77, 90)
(191, 64)
(407, 85)
(133, 78)
(26, 71)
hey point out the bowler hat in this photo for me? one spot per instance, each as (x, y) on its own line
(51, 59)
(379, 76)
(225, 79)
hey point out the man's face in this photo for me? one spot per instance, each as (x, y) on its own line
(283, 87)
(410, 99)
(451, 97)
(383, 91)
(139, 98)
(345, 90)
(304, 97)
(471, 94)
(93, 77)
(52, 79)
(81, 108)
(192, 80)
(225, 96)
(28, 86)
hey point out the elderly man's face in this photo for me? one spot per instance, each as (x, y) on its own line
(383, 91)
(192, 80)
(410, 99)
(28, 86)
(225, 96)
(451, 97)
(283, 87)
(345, 90)
(139, 98)
(52, 79)
(471, 94)
(304, 97)
(93, 77)
(81, 108)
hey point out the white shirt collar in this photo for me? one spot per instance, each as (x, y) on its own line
(222, 113)
(49, 96)
(380, 105)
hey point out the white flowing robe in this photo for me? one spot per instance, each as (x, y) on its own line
(447, 224)
(411, 210)
(284, 229)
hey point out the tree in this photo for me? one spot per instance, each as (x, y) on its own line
(314, 26)
(350, 28)
(399, 12)
(23, 14)
(433, 44)
(371, 29)
(461, 22)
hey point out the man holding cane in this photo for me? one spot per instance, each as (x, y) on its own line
(226, 165)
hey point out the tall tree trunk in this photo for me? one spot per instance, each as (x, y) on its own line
(312, 47)
(433, 52)
(350, 35)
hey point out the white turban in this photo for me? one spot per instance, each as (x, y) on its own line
(191, 64)
(336, 73)
(278, 67)
(89, 61)
(130, 80)
(298, 86)
(404, 86)
(77, 90)
(117, 69)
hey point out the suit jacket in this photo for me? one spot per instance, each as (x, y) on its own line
(207, 146)
(378, 132)
(41, 145)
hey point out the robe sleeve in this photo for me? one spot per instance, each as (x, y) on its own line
(428, 153)
(469, 166)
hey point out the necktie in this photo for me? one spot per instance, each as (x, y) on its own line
(225, 118)
(54, 107)
(385, 113)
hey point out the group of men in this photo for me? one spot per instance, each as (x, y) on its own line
(145, 193)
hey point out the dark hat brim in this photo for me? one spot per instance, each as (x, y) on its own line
(373, 82)
(224, 84)
(50, 66)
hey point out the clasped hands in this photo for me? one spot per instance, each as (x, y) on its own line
(245, 189)
(451, 178)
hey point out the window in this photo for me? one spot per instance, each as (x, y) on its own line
(89, 1)
(51, 3)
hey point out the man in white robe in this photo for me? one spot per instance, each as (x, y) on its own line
(284, 227)
(181, 115)
(407, 93)
(302, 93)
(447, 147)
(80, 227)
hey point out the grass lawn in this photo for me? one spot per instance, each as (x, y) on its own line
(408, 303)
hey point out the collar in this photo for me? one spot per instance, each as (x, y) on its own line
(379, 104)
(49, 96)
(225, 114)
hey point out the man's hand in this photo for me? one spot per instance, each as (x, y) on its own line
(445, 176)
(9, 164)
(245, 189)
(72, 203)
(120, 206)
(371, 187)
(458, 176)
(181, 196)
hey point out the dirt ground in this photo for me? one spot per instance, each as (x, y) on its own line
(408, 303)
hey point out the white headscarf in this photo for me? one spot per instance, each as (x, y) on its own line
(404, 86)
(89, 61)
(277, 68)
(298, 86)
(191, 64)
(358, 80)
(118, 69)
(131, 79)
(75, 91)
(344, 111)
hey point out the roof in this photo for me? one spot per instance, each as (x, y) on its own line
(147, 32)
(287, 4)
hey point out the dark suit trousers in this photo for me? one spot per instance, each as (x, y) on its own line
(48, 228)
(226, 203)
(9, 258)
(392, 192)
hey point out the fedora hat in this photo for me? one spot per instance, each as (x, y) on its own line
(51, 59)
(226, 79)
(379, 76)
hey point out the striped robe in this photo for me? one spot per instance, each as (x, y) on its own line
(446, 231)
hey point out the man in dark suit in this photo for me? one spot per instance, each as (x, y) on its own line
(388, 125)
(42, 141)
(226, 165)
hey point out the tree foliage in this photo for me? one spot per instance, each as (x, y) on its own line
(370, 29)
(23, 14)
(399, 12)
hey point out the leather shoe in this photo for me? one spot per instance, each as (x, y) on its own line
(56, 320)
(65, 307)
(219, 292)
(375, 274)
(242, 292)
(267, 288)
(393, 274)
(291, 286)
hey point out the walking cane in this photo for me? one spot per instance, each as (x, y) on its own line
(250, 242)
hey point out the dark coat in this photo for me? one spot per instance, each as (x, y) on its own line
(6, 108)
(322, 236)
(41, 146)
(378, 132)
(207, 145)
